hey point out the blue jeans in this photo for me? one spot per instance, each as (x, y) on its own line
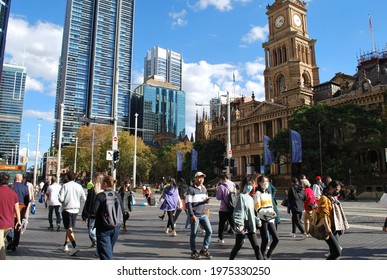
(205, 222)
(57, 214)
(92, 231)
(105, 242)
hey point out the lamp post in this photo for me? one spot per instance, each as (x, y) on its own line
(229, 151)
(60, 142)
(76, 154)
(92, 157)
(36, 155)
(135, 150)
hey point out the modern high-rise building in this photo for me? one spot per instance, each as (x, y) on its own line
(12, 90)
(97, 37)
(163, 63)
(161, 111)
(5, 6)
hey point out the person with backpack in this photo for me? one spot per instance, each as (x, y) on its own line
(108, 211)
(226, 193)
(246, 222)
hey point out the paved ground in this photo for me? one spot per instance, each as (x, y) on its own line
(145, 238)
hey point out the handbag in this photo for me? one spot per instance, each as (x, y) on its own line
(317, 228)
(33, 209)
(284, 202)
(41, 198)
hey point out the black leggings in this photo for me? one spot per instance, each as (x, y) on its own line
(265, 229)
(223, 217)
(296, 222)
(239, 240)
(171, 221)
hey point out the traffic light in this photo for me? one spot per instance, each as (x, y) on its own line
(232, 162)
(116, 155)
(226, 161)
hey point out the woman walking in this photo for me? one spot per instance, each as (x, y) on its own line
(264, 207)
(296, 197)
(309, 204)
(245, 221)
(170, 204)
(335, 222)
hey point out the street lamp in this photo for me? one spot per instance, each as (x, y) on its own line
(135, 150)
(36, 155)
(76, 154)
(60, 142)
(229, 151)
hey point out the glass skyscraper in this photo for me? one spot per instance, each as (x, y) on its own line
(12, 90)
(5, 6)
(163, 63)
(92, 32)
(161, 110)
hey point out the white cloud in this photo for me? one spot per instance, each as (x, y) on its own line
(38, 47)
(203, 81)
(47, 116)
(257, 33)
(221, 5)
(179, 18)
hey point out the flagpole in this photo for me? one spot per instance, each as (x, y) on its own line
(372, 33)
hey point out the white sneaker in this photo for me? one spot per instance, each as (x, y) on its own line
(305, 236)
(326, 255)
(166, 230)
(174, 233)
(73, 251)
(221, 241)
(292, 235)
(65, 248)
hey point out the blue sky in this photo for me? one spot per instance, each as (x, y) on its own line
(216, 38)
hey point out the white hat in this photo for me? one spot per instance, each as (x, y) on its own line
(200, 174)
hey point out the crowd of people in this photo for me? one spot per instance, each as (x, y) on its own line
(249, 210)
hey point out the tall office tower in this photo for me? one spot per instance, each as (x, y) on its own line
(12, 89)
(164, 63)
(161, 111)
(97, 37)
(5, 6)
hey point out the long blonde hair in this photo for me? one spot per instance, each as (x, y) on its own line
(98, 178)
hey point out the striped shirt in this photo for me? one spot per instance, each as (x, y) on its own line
(195, 200)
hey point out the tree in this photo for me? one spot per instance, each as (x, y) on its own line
(347, 132)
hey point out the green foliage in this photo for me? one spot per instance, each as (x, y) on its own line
(347, 132)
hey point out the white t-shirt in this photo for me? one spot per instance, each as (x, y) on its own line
(52, 194)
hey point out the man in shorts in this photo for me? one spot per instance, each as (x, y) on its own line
(70, 195)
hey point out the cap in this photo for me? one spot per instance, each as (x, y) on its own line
(318, 178)
(200, 174)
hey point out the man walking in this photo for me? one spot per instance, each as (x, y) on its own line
(196, 201)
(9, 207)
(70, 195)
(53, 203)
(225, 211)
(24, 199)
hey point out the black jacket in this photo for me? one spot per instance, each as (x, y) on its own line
(296, 197)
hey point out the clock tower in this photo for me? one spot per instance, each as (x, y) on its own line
(291, 69)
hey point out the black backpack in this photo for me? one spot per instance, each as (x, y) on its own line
(111, 212)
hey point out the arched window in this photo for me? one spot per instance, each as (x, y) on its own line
(306, 80)
(281, 84)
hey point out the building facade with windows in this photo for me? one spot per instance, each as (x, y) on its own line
(5, 6)
(161, 112)
(12, 90)
(97, 45)
(165, 64)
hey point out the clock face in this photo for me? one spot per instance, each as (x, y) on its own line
(297, 20)
(279, 21)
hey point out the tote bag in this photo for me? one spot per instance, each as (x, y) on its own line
(317, 228)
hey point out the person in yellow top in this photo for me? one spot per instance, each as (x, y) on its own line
(264, 208)
(335, 222)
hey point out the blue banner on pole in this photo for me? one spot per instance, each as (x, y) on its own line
(296, 146)
(268, 155)
(179, 161)
(194, 164)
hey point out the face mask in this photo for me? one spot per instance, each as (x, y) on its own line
(249, 188)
